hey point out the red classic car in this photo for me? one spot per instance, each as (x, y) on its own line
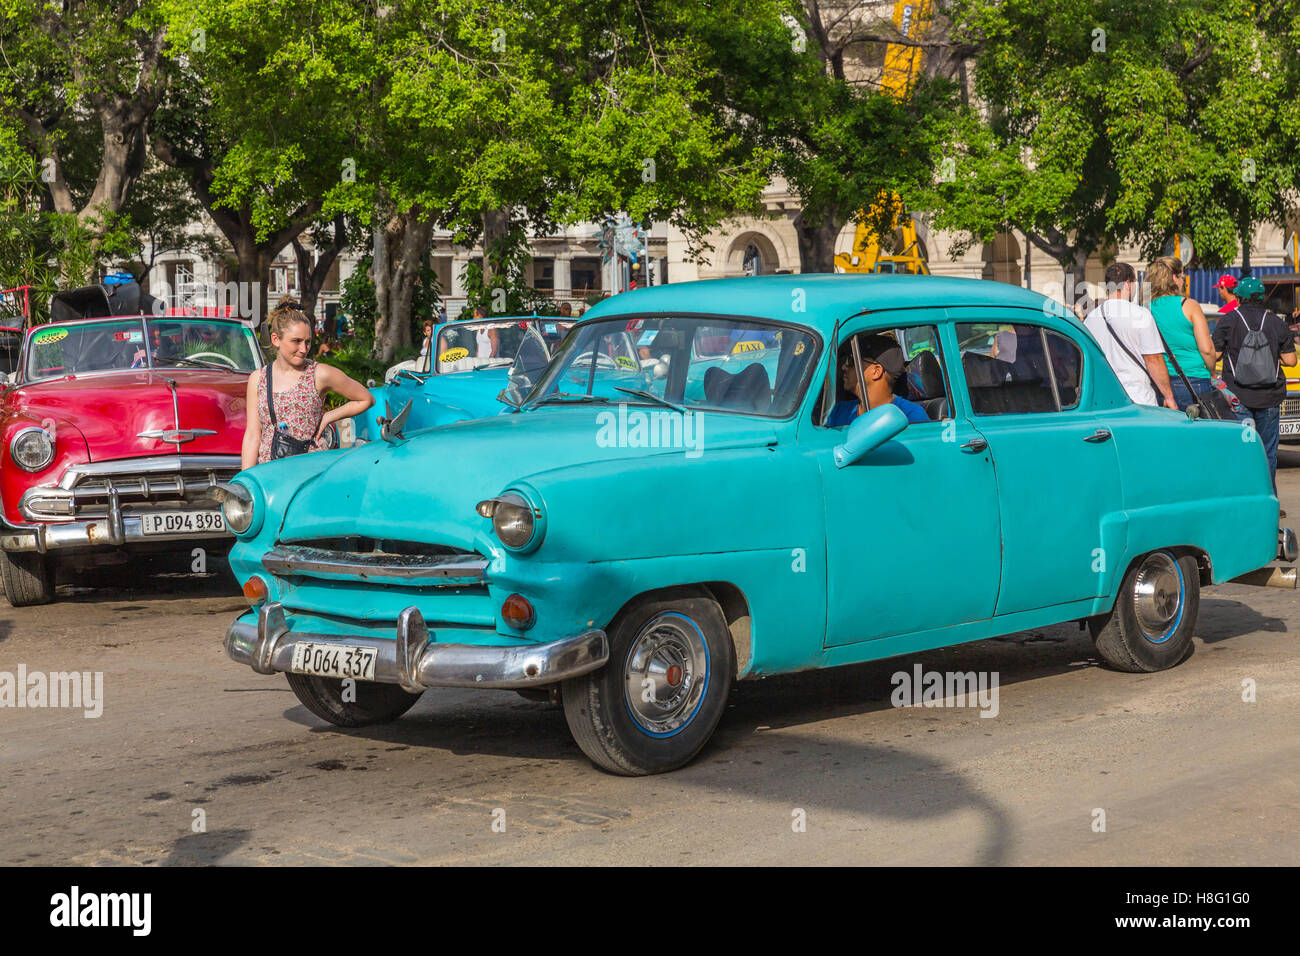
(115, 427)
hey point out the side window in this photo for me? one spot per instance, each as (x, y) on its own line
(921, 387)
(1067, 368)
(1015, 369)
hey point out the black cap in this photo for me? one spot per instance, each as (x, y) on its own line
(884, 351)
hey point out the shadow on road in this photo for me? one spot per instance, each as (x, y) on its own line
(1221, 619)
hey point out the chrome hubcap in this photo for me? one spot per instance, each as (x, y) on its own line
(666, 673)
(1157, 596)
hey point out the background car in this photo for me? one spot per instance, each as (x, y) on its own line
(459, 386)
(636, 538)
(117, 426)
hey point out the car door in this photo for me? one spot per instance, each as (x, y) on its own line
(911, 528)
(1054, 457)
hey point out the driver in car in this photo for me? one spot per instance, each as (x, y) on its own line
(882, 366)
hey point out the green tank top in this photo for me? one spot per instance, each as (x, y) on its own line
(1177, 330)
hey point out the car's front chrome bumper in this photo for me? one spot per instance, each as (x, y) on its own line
(112, 531)
(417, 661)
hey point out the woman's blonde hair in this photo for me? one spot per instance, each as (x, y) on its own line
(287, 312)
(1164, 276)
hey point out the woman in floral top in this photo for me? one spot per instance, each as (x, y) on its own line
(300, 386)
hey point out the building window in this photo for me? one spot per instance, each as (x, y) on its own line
(586, 278)
(544, 274)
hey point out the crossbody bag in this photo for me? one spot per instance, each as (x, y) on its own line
(283, 444)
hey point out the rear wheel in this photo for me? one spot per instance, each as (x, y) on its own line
(1151, 625)
(373, 703)
(28, 577)
(659, 698)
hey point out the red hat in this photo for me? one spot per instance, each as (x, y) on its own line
(1226, 282)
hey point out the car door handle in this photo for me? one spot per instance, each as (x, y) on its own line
(975, 446)
(1100, 435)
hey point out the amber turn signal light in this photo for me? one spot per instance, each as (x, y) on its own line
(518, 613)
(255, 590)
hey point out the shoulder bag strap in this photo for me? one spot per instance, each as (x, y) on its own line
(1140, 364)
(270, 406)
(1178, 368)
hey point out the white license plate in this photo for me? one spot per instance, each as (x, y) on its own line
(332, 660)
(181, 522)
(1290, 428)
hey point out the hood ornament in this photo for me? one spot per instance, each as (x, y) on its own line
(390, 428)
(176, 436)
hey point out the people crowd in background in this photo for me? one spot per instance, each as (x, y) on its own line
(1167, 355)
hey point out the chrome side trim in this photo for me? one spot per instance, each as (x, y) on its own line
(416, 660)
(318, 562)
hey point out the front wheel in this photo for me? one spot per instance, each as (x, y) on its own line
(370, 703)
(657, 701)
(1150, 627)
(28, 577)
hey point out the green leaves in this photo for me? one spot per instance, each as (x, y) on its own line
(1142, 120)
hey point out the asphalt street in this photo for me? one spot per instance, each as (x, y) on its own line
(197, 760)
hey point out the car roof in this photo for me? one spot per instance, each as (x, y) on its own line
(826, 298)
(87, 319)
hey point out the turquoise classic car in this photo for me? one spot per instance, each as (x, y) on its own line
(666, 512)
(463, 375)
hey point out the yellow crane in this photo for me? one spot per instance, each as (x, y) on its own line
(903, 61)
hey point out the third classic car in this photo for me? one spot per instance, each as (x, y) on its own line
(668, 512)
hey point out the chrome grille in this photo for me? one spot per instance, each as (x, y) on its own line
(1291, 407)
(138, 485)
(368, 559)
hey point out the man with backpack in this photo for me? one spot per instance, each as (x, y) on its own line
(1254, 344)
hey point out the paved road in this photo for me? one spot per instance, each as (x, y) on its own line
(1184, 770)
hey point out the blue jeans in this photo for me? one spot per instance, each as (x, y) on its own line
(1267, 422)
(1184, 397)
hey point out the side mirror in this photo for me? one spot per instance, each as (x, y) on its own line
(868, 432)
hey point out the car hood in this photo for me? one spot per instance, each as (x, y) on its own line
(111, 410)
(425, 488)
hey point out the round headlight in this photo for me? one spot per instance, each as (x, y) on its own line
(513, 520)
(237, 508)
(32, 449)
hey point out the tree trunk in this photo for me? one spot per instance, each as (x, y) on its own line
(817, 242)
(311, 276)
(400, 244)
(496, 227)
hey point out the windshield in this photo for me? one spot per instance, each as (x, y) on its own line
(114, 344)
(468, 345)
(539, 344)
(722, 364)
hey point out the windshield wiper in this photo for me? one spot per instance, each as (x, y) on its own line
(420, 377)
(212, 365)
(479, 368)
(651, 396)
(575, 397)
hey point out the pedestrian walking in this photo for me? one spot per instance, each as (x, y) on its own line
(1183, 329)
(1254, 344)
(1128, 338)
(285, 401)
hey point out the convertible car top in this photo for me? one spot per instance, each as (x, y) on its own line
(96, 301)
